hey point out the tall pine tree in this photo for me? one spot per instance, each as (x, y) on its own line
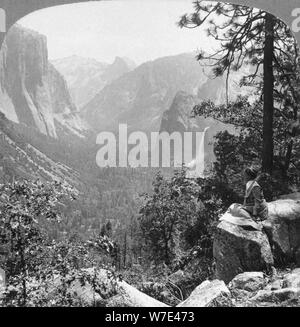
(247, 36)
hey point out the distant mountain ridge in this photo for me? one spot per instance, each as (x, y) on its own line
(140, 97)
(155, 96)
(86, 76)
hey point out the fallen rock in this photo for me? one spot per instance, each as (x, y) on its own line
(248, 281)
(292, 279)
(284, 230)
(275, 285)
(237, 250)
(276, 296)
(206, 294)
(129, 296)
(109, 291)
(230, 217)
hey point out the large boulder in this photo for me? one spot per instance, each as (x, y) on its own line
(102, 288)
(129, 296)
(242, 247)
(206, 294)
(280, 295)
(248, 281)
(283, 228)
(237, 250)
(292, 279)
(284, 290)
(121, 294)
(274, 285)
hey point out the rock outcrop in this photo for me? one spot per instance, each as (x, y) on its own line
(241, 248)
(206, 294)
(242, 255)
(238, 250)
(275, 291)
(284, 230)
(280, 295)
(140, 97)
(292, 279)
(249, 289)
(32, 91)
(129, 296)
(109, 291)
(248, 281)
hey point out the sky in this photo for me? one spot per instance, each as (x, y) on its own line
(140, 30)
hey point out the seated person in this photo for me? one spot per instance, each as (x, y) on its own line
(254, 201)
(254, 206)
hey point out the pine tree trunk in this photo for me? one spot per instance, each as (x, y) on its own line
(268, 144)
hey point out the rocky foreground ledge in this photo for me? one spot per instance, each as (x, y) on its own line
(244, 258)
(240, 249)
(250, 289)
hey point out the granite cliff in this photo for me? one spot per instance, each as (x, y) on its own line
(32, 91)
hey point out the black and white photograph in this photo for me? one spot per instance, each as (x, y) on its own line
(149, 155)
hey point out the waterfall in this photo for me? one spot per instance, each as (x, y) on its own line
(196, 167)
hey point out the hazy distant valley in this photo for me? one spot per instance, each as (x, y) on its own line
(52, 112)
